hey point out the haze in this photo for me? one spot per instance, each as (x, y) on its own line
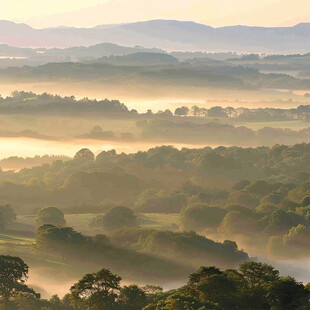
(155, 155)
(52, 13)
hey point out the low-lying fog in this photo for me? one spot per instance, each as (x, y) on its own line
(48, 285)
(154, 97)
(28, 147)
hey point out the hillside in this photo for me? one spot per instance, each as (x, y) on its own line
(164, 34)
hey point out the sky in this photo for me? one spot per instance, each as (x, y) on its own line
(216, 13)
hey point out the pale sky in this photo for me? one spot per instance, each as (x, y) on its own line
(88, 13)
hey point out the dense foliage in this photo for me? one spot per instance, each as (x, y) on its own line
(143, 252)
(258, 192)
(253, 286)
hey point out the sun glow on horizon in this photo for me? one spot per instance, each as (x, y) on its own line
(52, 13)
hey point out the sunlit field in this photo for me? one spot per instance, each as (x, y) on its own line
(82, 222)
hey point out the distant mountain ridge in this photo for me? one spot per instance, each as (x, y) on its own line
(164, 34)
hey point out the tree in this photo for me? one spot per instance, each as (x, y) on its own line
(70, 303)
(102, 240)
(253, 286)
(84, 155)
(212, 161)
(195, 110)
(59, 238)
(160, 202)
(212, 284)
(257, 274)
(219, 289)
(28, 301)
(200, 216)
(280, 222)
(178, 301)
(116, 218)
(203, 272)
(132, 297)
(238, 222)
(13, 275)
(98, 290)
(297, 240)
(270, 202)
(231, 244)
(50, 215)
(152, 289)
(217, 112)
(182, 111)
(287, 294)
(259, 278)
(97, 132)
(260, 187)
(244, 198)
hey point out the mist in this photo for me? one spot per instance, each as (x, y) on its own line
(148, 176)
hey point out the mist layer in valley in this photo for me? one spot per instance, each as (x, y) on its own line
(153, 162)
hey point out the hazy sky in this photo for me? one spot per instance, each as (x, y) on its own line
(87, 13)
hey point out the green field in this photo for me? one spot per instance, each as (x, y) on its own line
(81, 222)
(61, 272)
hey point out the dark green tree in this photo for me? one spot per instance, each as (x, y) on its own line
(178, 301)
(259, 279)
(13, 275)
(132, 297)
(209, 284)
(288, 294)
(99, 291)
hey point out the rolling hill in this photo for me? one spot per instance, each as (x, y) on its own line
(164, 34)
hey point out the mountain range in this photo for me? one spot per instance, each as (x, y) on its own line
(164, 34)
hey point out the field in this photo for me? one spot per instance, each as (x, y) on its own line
(10, 244)
(51, 273)
(81, 222)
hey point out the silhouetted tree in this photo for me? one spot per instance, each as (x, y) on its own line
(98, 290)
(13, 275)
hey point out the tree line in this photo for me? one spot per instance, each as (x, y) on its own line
(253, 285)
